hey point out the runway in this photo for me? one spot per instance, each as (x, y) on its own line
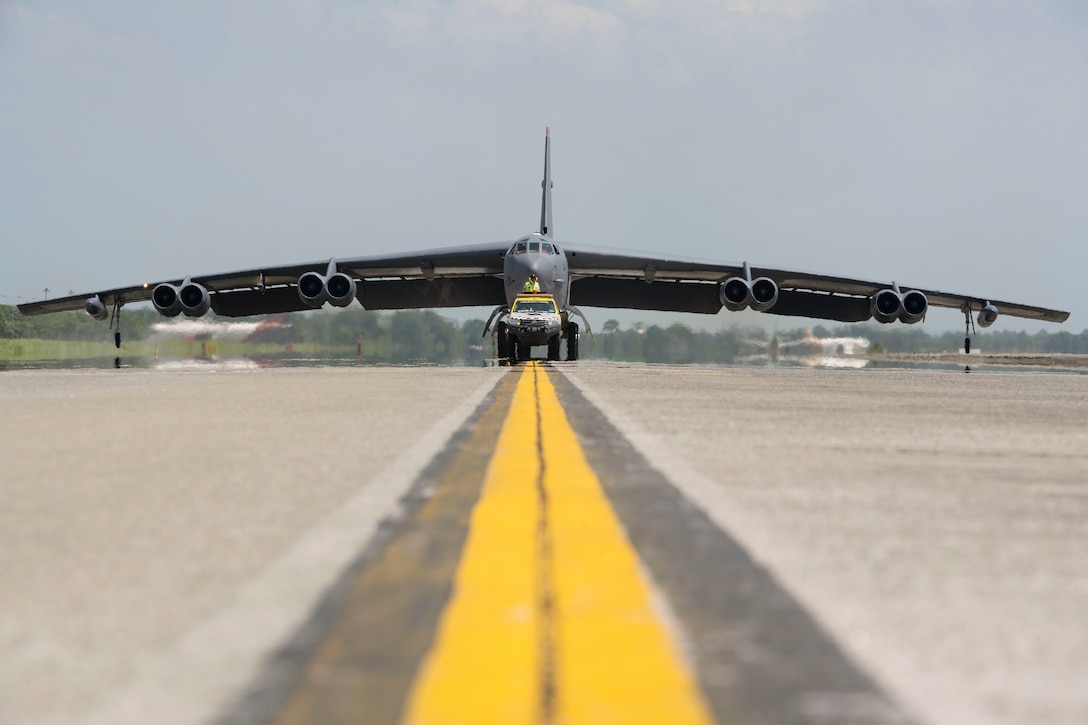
(589, 542)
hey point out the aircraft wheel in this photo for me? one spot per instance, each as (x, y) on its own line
(553, 348)
(512, 349)
(572, 341)
(502, 343)
(524, 352)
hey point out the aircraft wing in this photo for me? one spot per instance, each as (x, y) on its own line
(445, 277)
(605, 277)
(600, 277)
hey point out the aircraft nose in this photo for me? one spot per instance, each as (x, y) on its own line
(527, 264)
(541, 267)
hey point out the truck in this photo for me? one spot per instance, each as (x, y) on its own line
(534, 319)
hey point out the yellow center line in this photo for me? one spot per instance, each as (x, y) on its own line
(551, 619)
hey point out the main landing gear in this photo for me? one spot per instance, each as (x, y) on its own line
(502, 343)
(553, 348)
(572, 341)
(508, 349)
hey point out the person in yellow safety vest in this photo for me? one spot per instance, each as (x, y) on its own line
(532, 285)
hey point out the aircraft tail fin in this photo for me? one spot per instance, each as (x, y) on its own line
(546, 185)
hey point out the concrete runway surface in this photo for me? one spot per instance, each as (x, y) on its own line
(919, 535)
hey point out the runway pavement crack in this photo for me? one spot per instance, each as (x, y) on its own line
(545, 562)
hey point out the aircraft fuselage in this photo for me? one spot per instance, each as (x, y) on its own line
(537, 254)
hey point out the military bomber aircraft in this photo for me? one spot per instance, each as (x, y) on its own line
(493, 274)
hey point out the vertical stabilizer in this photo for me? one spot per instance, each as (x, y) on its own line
(546, 197)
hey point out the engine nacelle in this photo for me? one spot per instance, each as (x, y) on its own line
(738, 293)
(340, 289)
(166, 300)
(317, 289)
(312, 289)
(764, 294)
(987, 315)
(886, 306)
(914, 305)
(96, 309)
(195, 300)
(734, 294)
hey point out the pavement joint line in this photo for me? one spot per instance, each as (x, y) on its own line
(545, 561)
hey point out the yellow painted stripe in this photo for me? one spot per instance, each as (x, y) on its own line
(482, 668)
(365, 665)
(551, 619)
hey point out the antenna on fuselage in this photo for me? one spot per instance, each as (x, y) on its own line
(546, 197)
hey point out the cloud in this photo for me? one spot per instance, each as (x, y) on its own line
(496, 20)
(788, 9)
(561, 15)
(718, 11)
(420, 21)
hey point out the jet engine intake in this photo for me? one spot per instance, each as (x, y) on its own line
(737, 293)
(915, 305)
(191, 298)
(166, 300)
(341, 289)
(764, 294)
(312, 289)
(734, 294)
(195, 300)
(889, 305)
(886, 306)
(97, 309)
(317, 289)
(987, 315)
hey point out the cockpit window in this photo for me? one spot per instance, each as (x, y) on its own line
(519, 248)
(534, 306)
(534, 247)
(547, 248)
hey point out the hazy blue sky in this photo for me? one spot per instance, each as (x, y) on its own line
(940, 143)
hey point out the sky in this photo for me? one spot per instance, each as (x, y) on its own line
(938, 143)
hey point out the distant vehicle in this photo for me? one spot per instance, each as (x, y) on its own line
(534, 319)
(495, 273)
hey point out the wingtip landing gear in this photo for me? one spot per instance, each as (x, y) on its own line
(115, 324)
(968, 325)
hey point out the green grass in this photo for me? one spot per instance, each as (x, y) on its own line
(26, 350)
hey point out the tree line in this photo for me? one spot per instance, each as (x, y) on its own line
(678, 343)
(426, 336)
